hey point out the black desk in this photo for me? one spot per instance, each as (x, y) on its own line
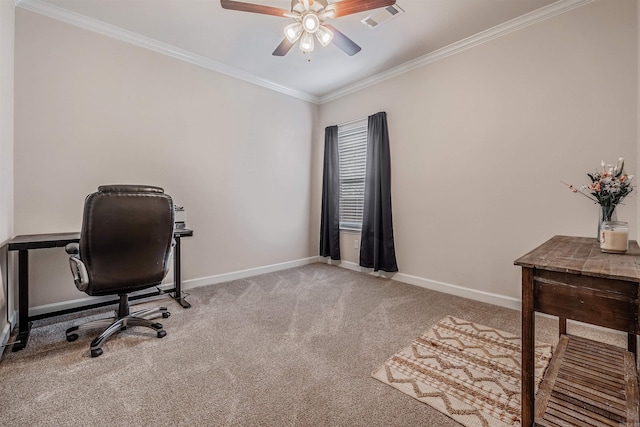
(24, 243)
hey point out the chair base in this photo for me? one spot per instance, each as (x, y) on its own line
(119, 323)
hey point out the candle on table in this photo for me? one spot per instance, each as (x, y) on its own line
(614, 238)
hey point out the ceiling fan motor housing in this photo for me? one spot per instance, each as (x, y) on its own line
(310, 22)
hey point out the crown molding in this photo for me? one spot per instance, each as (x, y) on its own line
(61, 14)
(130, 37)
(500, 30)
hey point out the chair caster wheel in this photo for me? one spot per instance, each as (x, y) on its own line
(72, 337)
(165, 315)
(161, 334)
(97, 352)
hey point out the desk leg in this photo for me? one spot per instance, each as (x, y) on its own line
(176, 276)
(528, 347)
(24, 326)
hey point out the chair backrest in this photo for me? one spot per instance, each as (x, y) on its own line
(126, 238)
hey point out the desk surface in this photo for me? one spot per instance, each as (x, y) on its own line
(37, 241)
(582, 255)
(56, 240)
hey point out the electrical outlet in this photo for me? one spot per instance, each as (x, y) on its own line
(356, 244)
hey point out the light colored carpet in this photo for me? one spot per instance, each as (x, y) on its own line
(290, 348)
(467, 371)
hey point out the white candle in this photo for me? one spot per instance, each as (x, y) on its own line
(614, 241)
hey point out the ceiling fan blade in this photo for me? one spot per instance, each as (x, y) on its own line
(349, 7)
(255, 8)
(343, 42)
(283, 48)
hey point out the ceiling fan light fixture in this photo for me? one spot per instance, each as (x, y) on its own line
(293, 32)
(310, 22)
(324, 35)
(306, 42)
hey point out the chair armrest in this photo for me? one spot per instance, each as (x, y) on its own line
(79, 272)
(72, 248)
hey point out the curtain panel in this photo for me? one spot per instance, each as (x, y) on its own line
(330, 214)
(377, 248)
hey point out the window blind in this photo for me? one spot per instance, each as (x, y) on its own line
(352, 155)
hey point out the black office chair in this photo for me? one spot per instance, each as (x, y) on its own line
(125, 246)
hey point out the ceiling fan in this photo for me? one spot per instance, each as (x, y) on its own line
(310, 17)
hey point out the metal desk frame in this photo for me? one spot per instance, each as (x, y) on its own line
(24, 243)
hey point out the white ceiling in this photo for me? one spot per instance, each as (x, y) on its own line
(243, 41)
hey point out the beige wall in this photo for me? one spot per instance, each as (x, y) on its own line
(91, 110)
(481, 140)
(7, 20)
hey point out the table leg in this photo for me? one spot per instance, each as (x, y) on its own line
(562, 326)
(176, 275)
(632, 345)
(528, 347)
(24, 326)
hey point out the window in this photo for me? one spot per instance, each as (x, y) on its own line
(352, 155)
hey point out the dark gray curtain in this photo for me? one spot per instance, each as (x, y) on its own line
(330, 214)
(377, 249)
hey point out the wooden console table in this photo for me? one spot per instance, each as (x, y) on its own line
(571, 278)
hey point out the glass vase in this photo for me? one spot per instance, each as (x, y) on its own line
(606, 213)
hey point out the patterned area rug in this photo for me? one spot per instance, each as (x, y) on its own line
(467, 371)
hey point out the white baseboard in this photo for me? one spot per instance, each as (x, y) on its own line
(186, 284)
(487, 297)
(476, 295)
(460, 291)
(447, 288)
(242, 274)
(6, 333)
